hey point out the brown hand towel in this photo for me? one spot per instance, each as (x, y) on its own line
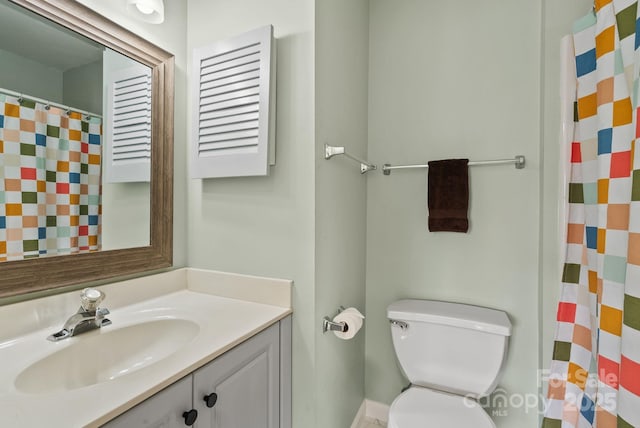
(448, 195)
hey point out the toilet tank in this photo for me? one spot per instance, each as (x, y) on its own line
(450, 347)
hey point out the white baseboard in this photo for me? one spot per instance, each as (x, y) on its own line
(376, 410)
(371, 410)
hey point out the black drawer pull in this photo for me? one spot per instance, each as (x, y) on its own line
(211, 399)
(190, 417)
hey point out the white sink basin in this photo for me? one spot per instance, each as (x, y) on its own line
(106, 354)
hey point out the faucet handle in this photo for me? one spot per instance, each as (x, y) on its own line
(90, 298)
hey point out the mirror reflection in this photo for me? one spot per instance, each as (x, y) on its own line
(75, 138)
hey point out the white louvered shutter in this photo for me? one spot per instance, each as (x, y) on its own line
(233, 106)
(128, 131)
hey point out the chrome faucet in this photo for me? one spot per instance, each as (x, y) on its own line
(89, 316)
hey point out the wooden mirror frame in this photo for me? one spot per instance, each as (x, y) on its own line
(31, 275)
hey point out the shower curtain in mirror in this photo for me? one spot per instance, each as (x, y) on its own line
(49, 180)
(595, 370)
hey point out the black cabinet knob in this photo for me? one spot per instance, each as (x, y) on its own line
(190, 417)
(211, 399)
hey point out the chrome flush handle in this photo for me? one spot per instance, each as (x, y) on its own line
(403, 325)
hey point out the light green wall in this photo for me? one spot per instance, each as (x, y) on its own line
(447, 80)
(341, 64)
(29, 77)
(130, 227)
(171, 35)
(265, 225)
(82, 87)
(444, 79)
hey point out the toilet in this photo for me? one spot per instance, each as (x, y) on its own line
(452, 354)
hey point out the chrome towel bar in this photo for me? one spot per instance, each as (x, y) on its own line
(519, 162)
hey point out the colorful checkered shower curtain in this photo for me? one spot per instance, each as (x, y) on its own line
(595, 371)
(50, 175)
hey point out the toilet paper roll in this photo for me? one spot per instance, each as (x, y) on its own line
(353, 319)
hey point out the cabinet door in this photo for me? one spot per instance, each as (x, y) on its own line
(246, 380)
(163, 410)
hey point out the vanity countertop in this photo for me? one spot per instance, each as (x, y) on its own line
(226, 308)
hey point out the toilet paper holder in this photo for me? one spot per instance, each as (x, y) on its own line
(329, 325)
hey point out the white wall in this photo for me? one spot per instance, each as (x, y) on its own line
(447, 80)
(341, 52)
(265, 225)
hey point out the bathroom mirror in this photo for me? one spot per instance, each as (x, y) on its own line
(36, 274)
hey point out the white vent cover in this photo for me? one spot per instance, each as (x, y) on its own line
(234, 106)
(128, 132)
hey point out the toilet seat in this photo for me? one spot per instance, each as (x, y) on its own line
(420, 407)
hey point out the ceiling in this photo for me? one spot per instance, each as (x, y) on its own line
(28, 35)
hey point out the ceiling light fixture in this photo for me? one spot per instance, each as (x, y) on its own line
(151, 11)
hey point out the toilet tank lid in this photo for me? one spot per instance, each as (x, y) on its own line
(453, 314)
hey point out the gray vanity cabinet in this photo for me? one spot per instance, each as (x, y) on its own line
(163, 410)
(248, 386)
(245, 383)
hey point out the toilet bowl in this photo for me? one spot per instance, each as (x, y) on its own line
(452, 354)
(427, 408)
